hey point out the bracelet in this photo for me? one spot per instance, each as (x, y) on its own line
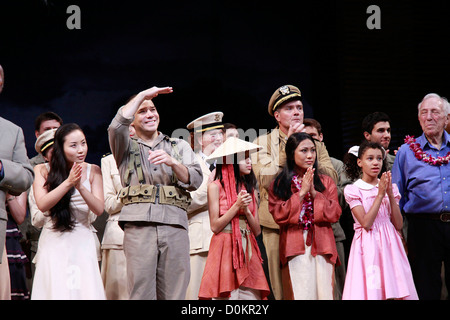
(10, 199)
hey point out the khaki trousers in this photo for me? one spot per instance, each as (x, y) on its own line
(198, 263)
(157, 260)
(114, 275)
(271, 240)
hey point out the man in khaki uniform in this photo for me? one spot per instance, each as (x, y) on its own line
(286, 107)
(206, 136)
(157, 172)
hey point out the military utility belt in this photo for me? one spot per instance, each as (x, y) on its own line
(142, 193)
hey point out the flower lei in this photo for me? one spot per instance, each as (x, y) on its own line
(425, 157)
(306, 219)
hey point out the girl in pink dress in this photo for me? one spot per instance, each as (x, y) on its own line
(378, 267)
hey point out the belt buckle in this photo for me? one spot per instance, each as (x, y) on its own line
(445, 217)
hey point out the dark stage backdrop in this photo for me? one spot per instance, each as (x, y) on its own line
(222, 56)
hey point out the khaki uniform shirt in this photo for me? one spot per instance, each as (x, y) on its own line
(120, 143)
(200, 233)
(113, 234)
(268, 163)
(390, 161)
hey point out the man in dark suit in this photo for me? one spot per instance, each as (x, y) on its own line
(16, 173)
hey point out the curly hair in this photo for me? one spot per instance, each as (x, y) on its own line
(352, 169)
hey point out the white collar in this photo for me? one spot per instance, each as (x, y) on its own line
(202, 155)
(360, 183)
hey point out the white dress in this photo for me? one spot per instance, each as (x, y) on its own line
(66, 262)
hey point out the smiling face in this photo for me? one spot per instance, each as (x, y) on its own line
(371, 162)
(305, 155)
(146, 119)
(210, 140)
(75, 147)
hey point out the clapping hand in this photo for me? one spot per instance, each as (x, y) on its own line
(308, 183)
(243, 200)
(389, 189)
(75, 174)
(383, 184)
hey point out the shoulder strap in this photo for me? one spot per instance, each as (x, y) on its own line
(174, 144)
(177, 156)
(134, 162)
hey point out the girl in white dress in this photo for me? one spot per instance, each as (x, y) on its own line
(67, 190)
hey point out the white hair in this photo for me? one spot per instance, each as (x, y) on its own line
(445, 103)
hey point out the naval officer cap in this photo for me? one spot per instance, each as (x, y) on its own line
(206, 122)
(45, 141)
(283, 94)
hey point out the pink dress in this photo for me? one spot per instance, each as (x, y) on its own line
(378, 267)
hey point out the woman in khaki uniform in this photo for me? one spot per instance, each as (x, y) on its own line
(206, 135)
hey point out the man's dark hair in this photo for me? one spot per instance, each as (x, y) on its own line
(372, 119)
(49, 115)
(308, 122)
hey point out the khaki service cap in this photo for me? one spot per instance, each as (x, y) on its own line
(283, 94)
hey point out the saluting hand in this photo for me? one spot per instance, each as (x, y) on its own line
(155, 91)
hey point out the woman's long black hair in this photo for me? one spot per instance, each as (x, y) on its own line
(282, 183)
(59, 171)
(249, 180)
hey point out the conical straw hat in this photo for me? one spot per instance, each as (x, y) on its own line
(231, 146)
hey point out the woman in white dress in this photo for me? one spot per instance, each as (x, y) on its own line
(68, 189)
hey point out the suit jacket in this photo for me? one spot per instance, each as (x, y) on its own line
(269, 161)
(18, 172)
